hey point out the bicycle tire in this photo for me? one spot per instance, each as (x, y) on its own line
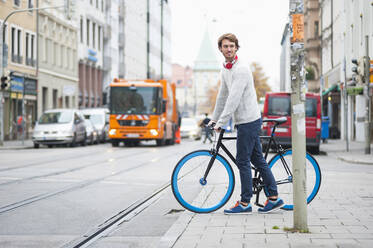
(313, 177)
(190, 170)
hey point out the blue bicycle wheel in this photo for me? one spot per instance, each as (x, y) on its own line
(285, 181)
(195, 194)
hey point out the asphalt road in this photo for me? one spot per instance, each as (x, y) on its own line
(53, 197)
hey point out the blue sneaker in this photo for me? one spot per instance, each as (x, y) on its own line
(239, 209)
(271, 206)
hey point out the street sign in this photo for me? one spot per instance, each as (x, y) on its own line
(298, 28)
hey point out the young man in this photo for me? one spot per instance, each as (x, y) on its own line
(237, 97)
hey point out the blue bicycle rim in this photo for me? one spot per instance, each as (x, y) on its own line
(198, 209)
(317, 172)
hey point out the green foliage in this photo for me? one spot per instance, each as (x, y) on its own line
(310, 73)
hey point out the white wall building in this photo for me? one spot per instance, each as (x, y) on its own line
(344, 25)
(91, 16)
(57, 59)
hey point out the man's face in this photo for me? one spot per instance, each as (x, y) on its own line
(228, 49)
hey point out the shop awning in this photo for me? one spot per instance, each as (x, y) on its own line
(330, 89)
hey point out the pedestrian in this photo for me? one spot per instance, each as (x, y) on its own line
(237, 98)
(206, 129)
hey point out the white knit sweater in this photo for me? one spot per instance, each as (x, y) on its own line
(236, 96)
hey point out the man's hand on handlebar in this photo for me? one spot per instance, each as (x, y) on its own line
(213, 125)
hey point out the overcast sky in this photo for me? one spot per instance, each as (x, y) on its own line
(257, 24)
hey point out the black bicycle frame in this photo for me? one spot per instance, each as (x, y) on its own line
(257, 182)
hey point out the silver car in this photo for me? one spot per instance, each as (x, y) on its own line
(100, 119)
(60, 126)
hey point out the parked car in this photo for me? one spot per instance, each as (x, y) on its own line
(60, 126)
(189, 128)
(92, 133)
(100, 119)
(277, 104)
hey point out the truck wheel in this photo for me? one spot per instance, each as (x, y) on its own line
(160, 142)
(114, 143)
(36, 145)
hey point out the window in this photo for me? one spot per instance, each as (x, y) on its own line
(81, 29)
(55, 95)
(17, 3)
(316, 27)
(62, 57)
(19, 44)
(33, 50)
(55, 52)
(27, 49)
(87, 32)
(68, 55)
(94, 35)
(99, 38)
(14, 37)
(30, 4)
(97, 4)
(102, 5)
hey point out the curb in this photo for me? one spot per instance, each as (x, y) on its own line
(354, 161)
(176, 230)
(16, 148)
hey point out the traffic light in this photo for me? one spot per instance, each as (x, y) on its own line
(359, 69)
(5, 80)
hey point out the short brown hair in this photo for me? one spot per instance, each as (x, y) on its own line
(230, 37)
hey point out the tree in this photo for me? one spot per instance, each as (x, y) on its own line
(260, 80)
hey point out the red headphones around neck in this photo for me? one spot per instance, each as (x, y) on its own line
(229, 65)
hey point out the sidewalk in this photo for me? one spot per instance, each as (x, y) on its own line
(344, 219)
(356, 153)
(17, 144)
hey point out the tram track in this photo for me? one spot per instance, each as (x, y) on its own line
(69, 188)
(65, 171)
(38, 163)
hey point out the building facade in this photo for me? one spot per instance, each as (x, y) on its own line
(91, 18)
(312, 44)
(206, 75)
(183, 77)
(344, 25)
(57, 63)
(20, 100)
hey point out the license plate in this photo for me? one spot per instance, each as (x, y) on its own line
(133, 135)
(281, 130)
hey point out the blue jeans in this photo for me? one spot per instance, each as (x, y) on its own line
(249, 149)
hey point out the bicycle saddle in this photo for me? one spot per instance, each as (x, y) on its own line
(277, 120)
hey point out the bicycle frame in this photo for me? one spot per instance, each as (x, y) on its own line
(258, 184)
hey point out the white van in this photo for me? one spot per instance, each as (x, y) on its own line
(100, 119)
(60, 126)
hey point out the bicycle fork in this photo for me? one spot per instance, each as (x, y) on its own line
(214, 152)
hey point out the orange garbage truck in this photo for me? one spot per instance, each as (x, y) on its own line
(142, 110)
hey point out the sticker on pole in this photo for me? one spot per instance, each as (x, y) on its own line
(298, 109)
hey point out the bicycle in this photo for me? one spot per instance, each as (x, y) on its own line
(209, 175)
